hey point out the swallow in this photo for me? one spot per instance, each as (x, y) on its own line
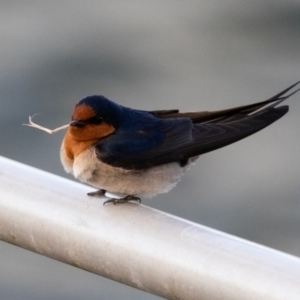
(138, 153)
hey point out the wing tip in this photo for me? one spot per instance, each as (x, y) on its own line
(282, 109)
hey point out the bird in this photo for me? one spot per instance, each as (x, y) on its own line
(139, 153)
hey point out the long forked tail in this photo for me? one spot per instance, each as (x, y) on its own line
(228, 115)
(235, 124)
(212, 136)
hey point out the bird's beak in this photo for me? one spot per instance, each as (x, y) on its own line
(77, 123)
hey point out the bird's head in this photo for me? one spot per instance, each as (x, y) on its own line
(94, 117)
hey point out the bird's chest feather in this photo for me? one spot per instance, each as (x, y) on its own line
(89, 169)
(71, 149)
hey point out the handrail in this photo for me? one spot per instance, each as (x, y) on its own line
(137, 245)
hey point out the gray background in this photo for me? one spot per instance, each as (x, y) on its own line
(192, 55)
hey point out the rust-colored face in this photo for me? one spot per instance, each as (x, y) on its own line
(83, 112)
(84, 131)
(88, 126)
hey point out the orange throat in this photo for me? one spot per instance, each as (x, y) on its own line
(74, 147)
(78, 140)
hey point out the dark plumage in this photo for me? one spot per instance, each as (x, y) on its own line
(145, 139)
(144, 153)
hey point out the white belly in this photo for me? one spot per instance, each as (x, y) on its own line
(160, 179)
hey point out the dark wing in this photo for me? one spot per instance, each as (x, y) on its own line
(209, 137)
(172, 137)
(138, 146)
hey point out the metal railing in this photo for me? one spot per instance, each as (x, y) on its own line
(137, 245)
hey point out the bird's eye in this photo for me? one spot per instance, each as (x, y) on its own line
(95, 120)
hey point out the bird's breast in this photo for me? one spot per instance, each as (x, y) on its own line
(148, 182)
(72, 148)
(79, 158)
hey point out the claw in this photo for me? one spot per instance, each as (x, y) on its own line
(123, 200)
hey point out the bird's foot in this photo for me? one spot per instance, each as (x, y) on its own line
(123, 200)
(99, 193)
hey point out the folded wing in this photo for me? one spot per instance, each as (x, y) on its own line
(175, 136)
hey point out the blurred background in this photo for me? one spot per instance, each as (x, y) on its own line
(191, 55)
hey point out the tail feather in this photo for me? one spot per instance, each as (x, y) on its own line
(223, 134)
(227, 115)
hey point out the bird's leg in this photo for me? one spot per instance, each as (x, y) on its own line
(123, 200)
(100, 193)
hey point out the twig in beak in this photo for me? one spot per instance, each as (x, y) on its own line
(32, 124)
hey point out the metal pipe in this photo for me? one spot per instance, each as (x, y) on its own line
(135, 244)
